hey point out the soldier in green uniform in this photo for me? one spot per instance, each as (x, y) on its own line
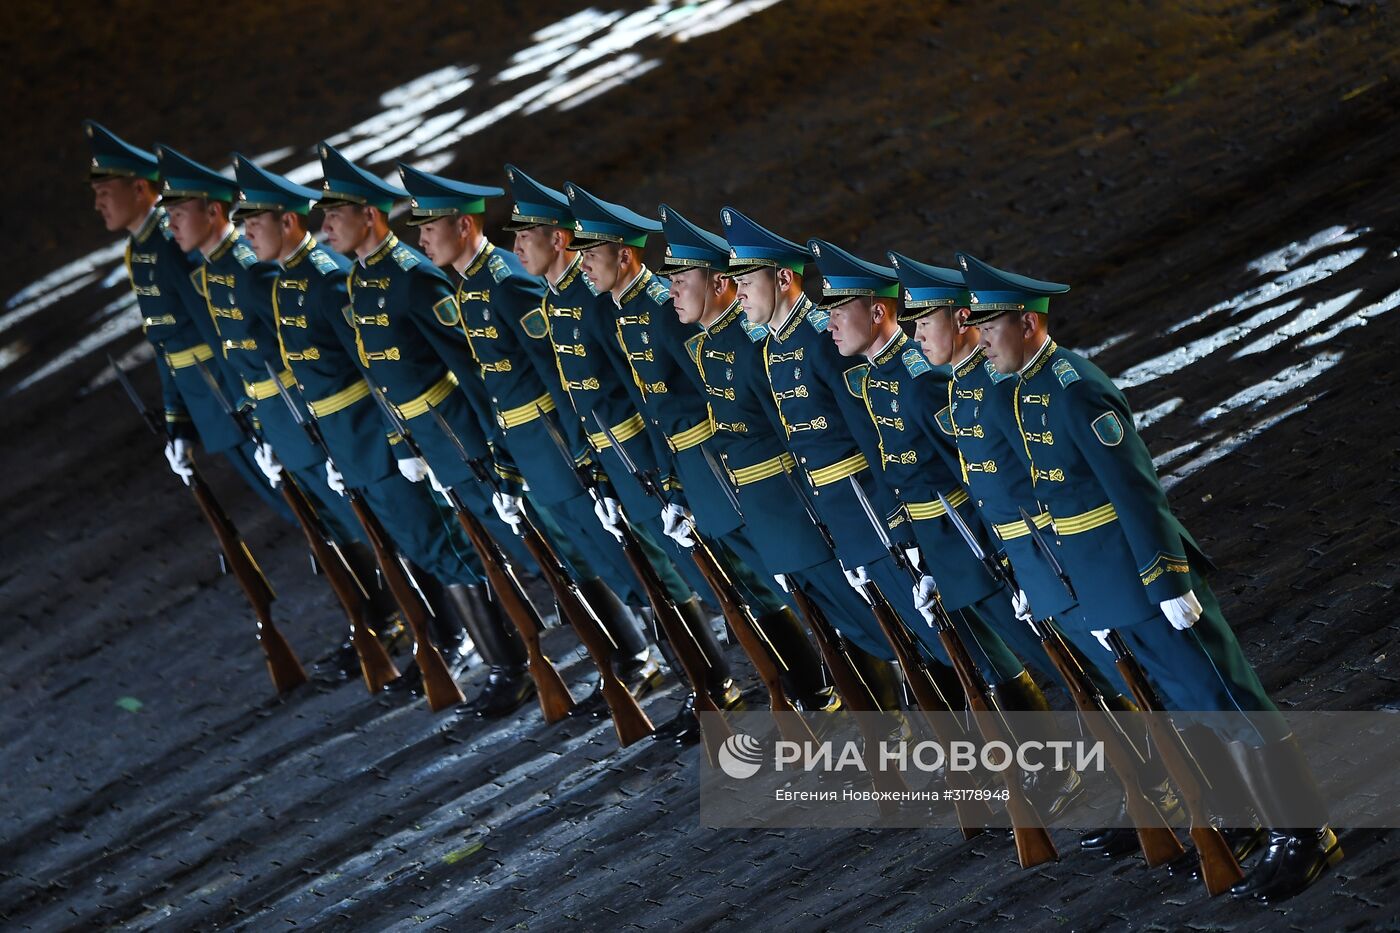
(497, 306)
(652, 340)
(307, 315)
(231, 281)
(126, 193)
(1136, 569)
(395, 297)
(599, 385)
(902, 395)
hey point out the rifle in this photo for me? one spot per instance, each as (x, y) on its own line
(555, 700)
(693, 662)
(375, 665)
(282, 664)
(1219, 867)
(1033, 843)
(735, 609)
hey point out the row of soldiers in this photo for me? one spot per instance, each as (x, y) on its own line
(710, 403)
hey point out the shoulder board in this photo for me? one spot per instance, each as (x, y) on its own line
(588, 284)
(404, 258)
(535, 324)
(818, 318)
(322, 261)
(995, 376)
(197, 277)
(855, 379)
(164, 224)
(497, 266)
(692, 346)
(447, 312)
(915, 362)
(658, 291)
(945, 421)
(244, 254)
(755, 332)
(1065, 372)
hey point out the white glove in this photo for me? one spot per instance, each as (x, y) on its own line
(1021, 605)
(782, 581)
(414, 469)
(437, 486)
(676, 524)
(609, 512)
(925, 597)
(177, 452)
(508, 508)
(1183, 611)
(858, 578)
(334, 479)
(916, 559)
(267, 462)
(1102, 636)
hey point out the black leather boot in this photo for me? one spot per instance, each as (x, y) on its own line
(1281, 783)
(801, 664)
(451, 624)
(1227, 798)
(1052, 792)
(634, 661)
(447, 608)
(508, 684)
(684, 727)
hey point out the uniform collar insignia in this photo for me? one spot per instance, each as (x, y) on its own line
(890, 350)
(230, 237)
(1034, 364)
(635, 288)
(303, 250)
(382, 250)
(968, 363)
(148, 225)
(567, 277)
(794, 319)
(479, 260)
(728, 316)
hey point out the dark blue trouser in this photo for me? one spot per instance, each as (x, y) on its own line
(422, 530)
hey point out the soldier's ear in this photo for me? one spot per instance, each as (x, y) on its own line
(960, 316)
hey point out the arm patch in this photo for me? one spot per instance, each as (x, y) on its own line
(1107, 428)
(692, 346)
(945, 421)
(447, 312)
(535, 324)
(855, 379)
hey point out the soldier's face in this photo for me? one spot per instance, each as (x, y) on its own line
(119, 201)
(345, 227)
(264, 233)
(758, 291)
(601, 265)
(192, 222)
(1002, 338)
(852, 326)
(534, 248)
(937, 333)
(442, 240)
(689, 289)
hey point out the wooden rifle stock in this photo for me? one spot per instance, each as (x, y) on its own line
(740, 618)
(440, 690)
(375, 665)
(853, 689)
(554, 697)
(1219, 867)
(973, 815)
(1033, 843)
(282, 662)
(1159, 844)
(694, 664)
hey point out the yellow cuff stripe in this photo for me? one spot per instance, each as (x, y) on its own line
(267, 388)
(524, 414)
(825, 476)
(1011, 530)
(923, 511)
(783, 463)
(1086, 521)
(623, 432)
(342, 399)
(436, 393)
(200, 353)
(691, 436)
